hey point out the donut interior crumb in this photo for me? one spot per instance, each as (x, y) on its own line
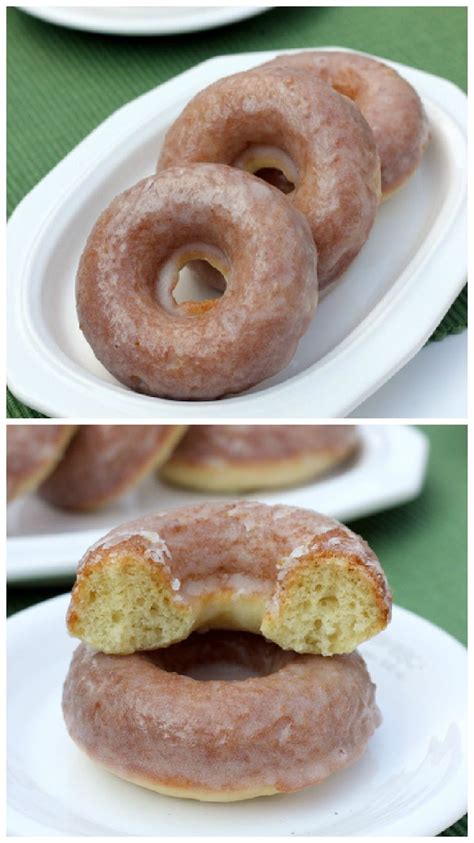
(124, 605)
(328, 608)
(324, 606)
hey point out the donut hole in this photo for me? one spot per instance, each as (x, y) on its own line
(270, 164)
(199, 282)
(221, 655)
(192, 279)
(347, 87)
(276, 178)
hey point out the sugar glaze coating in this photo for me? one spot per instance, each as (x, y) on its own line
(242, 457)
(259, 442)
(32, 453)
(233, 565)
(196, 544)
(297, 722)
(388, 102)
(197, 350)
(241, 119)
(105, 460)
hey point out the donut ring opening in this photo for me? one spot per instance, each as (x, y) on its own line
(224, 656)
(173, 290)
(271, 164)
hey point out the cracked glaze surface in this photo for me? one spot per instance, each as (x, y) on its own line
(208, 349)
(324, 134)
(388, 102)
(238, 545)
(217, 444)
(301, 719)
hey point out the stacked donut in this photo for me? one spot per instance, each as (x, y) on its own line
(87, 467)
(282, 596)
(330, 133)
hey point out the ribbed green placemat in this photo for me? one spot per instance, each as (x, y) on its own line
(459, 829)
(63, 83)
(17, 410)
(422, 546)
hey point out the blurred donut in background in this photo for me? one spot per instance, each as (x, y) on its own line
(238, 458)
(33, 450)
(104, 461)
(389, 103)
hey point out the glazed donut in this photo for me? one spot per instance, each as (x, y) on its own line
(103, 461)
(33, 451)
(205, 349)
(303, 580)
(295, 721)
(237, 458)
(388, 102)
(292, 121)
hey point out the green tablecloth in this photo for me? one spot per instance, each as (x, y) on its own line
(422, 546)
(62, 83)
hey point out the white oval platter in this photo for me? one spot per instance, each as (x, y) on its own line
(374, 320)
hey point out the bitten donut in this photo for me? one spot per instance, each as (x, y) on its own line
(33, 451)
(105, 460)
(236, 458)
(286, 119)
(388, 102)
(303, 580)
(197, 349)
(297, 720)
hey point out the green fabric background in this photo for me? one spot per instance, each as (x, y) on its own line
(422, 546)
(62, 83)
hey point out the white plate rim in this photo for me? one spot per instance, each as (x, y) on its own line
(20, 826)
(207, 17)
(59, 386)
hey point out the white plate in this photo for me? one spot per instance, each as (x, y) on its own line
(46, 543)
(376, 318)
(432, 385)
(410, 782)
(143, 20)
